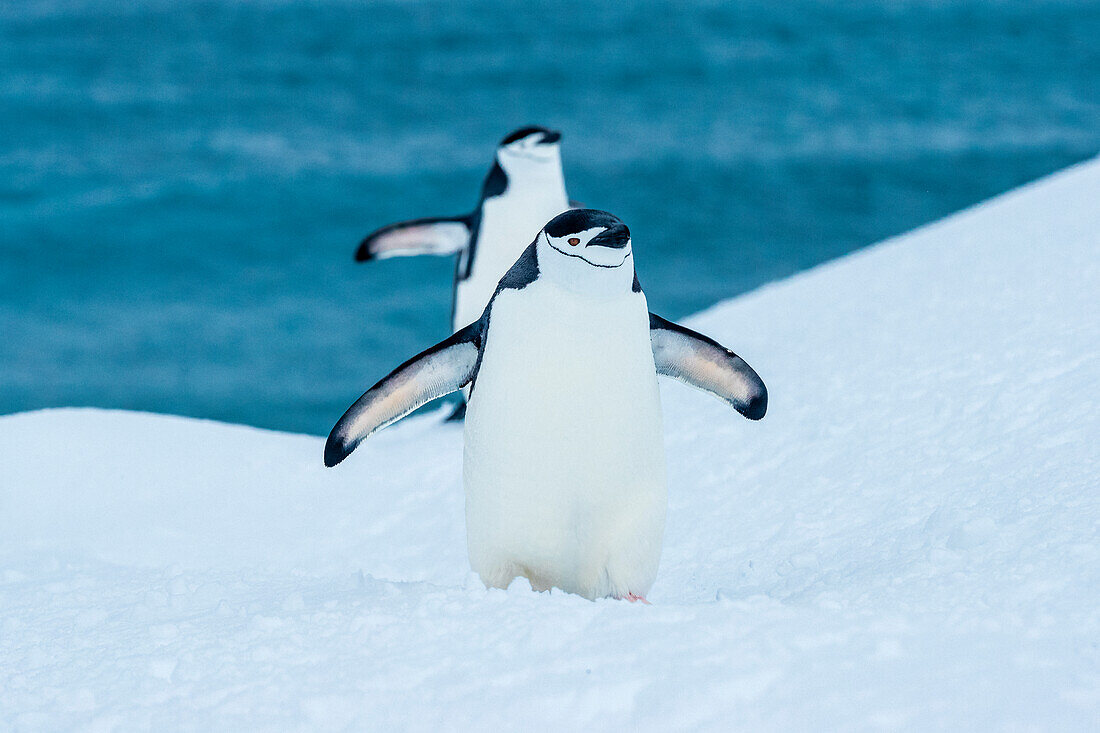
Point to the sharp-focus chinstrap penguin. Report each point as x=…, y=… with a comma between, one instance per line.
x=524, y=189
x=564, y=464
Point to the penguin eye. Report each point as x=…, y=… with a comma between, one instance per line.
x=574, y=241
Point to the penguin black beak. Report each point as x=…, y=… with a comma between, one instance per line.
x=550, y=137
x=615, y=237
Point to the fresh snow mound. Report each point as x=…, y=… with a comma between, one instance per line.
x=909, y=539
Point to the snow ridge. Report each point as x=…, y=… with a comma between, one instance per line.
x=907, y=541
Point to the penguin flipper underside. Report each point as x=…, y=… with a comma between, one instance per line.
x=442, y=369
x=437, y=235
x=701, y=362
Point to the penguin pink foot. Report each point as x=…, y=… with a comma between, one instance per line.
x=635, y=599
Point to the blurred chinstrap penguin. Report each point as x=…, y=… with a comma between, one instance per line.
x=564, y=463
x=524, y=189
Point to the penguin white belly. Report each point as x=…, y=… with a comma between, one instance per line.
x=564, y=463
x=508, y=224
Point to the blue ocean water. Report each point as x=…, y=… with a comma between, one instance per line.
x=182, y=184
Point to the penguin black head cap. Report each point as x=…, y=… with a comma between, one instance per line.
x=579, y=220
x=548, y=136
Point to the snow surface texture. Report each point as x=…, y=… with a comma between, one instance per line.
x=909, y=539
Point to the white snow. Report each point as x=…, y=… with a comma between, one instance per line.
x=909, y=540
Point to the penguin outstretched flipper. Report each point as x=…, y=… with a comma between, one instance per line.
x=437, y=235
x=442, y=369
x=703, y=363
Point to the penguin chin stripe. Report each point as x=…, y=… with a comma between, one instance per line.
x=594, y=264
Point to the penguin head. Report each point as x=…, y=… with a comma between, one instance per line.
x=587, y=250
x=530, y=149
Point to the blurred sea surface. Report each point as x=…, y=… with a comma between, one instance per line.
x=183, y=184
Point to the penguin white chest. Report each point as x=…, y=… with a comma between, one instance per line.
x=564, y=457
x=508, y=224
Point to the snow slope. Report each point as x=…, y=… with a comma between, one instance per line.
x=909, y=540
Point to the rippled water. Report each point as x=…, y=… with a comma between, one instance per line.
x=182, y=184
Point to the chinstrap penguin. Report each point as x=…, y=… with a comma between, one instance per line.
x=524, y=189
x=564, y=463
